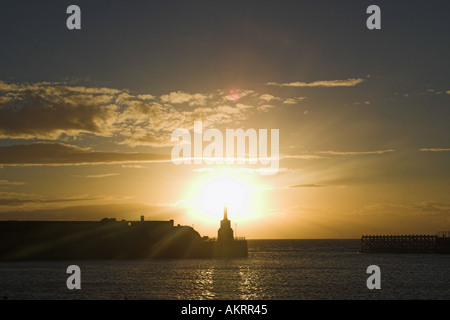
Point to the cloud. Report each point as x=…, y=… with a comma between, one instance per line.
x=293, y=100
x=141, y=137
x=324, y=83
x=268, y=97
x=372, y=219
x=19, y=199
x=356, y=152
x=10, y=183
x=145, y=97
x=307, y=186
x=133, y=166
x=47, y=111
x=98, y=176
x=304, y=156
x=55, y=111
x=44, y=153
x=434, y=149
x=321, y=154
x=5, y=99
x=20, y=202
x=236, y=94
x=55, y=88
x=264, y=108
x=432, y=206
x=92, y=212
x=240, y=170
x=227, y=109
x=183, y=97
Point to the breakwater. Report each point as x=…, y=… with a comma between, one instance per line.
x=405, y=244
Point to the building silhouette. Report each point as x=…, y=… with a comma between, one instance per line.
x=113, y=239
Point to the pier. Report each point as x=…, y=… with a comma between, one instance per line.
x=404, y=244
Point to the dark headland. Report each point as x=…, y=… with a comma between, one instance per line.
x=111, y=239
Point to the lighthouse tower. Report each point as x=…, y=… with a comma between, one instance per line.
x=225, y=232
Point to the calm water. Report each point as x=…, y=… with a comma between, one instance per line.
x=275, y=269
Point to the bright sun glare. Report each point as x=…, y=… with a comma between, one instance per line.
x=211, y=193
x=216, y=194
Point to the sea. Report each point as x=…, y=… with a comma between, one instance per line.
x=274, y=270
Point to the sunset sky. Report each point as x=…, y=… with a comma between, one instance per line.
x=86, y=115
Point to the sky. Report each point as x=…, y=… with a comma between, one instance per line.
x=86, y=116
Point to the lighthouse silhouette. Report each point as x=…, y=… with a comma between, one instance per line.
x=225, y=232
x=226, y=246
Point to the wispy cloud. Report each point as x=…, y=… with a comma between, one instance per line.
x=98, y=176
x=304, y=156
x=133, y=166
x=45, y=153
x=19, y=199
x=306, y=186
x=88, y=212
x=240, y=170
x=356, y=152
x=323, y=83
x=10, y=183
x=434, y=149
x=268, y=97
x=293, y=100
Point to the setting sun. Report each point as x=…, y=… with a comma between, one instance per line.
x=218, y=193
x=209, y=194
